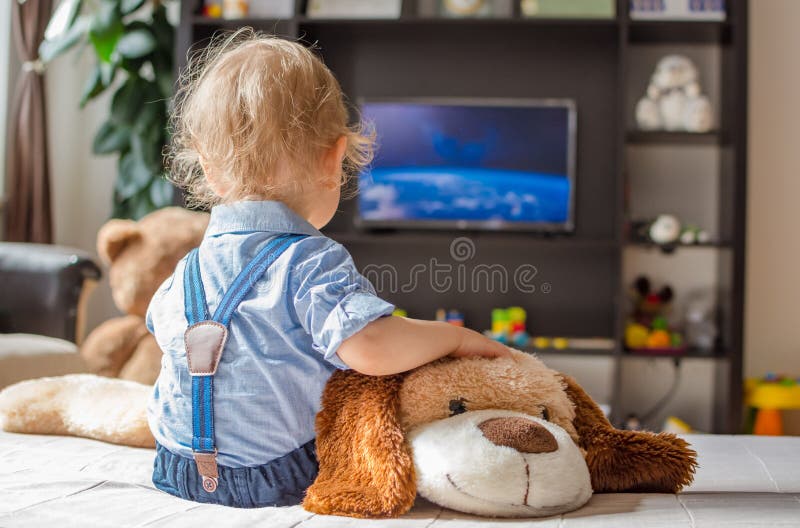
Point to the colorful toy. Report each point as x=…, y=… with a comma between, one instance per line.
x=399, y=312
x=508, y=326
x=769, y=396
x=648, y=327
x=675, y=425
x=455, y=318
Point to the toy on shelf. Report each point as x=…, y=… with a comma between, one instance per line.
x=508, y=326
x=675, y=425
x=573, y=343
x=769, y=396
x=454, y=317
x=698, y=320
x=673, y=100
x=235, y=9
x=648, y=329
x=212, y=9
x=667, y=232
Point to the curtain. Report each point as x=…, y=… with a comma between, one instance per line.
x=28, y=212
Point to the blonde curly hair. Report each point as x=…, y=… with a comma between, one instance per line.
x=255, y=109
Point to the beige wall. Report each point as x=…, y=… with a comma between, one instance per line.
x=772, y=315
x=82, y=184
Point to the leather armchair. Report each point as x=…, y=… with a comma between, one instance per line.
x=43, y=292
x=43, y=289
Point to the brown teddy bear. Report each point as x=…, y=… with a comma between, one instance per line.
x=140, y=256
x=499, y=437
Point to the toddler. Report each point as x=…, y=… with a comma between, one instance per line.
x=254, y=321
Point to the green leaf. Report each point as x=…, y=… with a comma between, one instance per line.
x=141, y=205
x=62, y=19
x=135, y=44
x=92, y=87
x=105, y=30
x=127, y=102
x=148, y=121
x=148, y=147
x=107, y=71
x=110, y=138
x=129, y=6
x=163, y=69
x=134, y=175
x=161, y=192
x=162, y=29
x=50, y=48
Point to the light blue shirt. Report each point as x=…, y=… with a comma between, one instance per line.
x=282, y=338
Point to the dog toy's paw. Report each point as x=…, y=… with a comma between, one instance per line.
x=639, y=461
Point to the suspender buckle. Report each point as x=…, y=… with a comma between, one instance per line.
x=207, y=468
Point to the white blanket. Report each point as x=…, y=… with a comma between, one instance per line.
x=59, y=481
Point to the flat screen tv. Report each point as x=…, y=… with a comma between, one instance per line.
x=470, y=164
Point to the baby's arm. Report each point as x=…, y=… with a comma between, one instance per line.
x=395, y=344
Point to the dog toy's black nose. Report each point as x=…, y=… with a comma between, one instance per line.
x=523, y=435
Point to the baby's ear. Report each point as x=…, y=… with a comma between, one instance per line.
x=365, y=466
x=629, y=460
x=114, y=236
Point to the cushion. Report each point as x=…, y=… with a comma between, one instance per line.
x=28, y=356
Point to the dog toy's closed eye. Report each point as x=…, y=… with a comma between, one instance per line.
x=458, y=406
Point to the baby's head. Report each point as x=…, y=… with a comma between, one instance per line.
x=262, y=118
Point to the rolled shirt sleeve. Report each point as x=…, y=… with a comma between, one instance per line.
x=334, y=301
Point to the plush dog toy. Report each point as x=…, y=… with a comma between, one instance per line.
x=500, y=437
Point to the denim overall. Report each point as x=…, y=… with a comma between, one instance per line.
x=280, y=482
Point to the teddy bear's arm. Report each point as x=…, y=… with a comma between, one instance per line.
x=109, y=346
x=83, y=405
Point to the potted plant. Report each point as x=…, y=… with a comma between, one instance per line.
x=132, y=43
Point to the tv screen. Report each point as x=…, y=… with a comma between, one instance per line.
x=470, y=164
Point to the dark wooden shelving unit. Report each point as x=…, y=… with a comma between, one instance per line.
x=641, y=137
x=679, y=32
x=549, y=352
x=589, y=61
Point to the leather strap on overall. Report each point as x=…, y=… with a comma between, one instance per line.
x=205, y=340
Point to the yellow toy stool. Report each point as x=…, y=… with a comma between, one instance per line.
x=770, y=396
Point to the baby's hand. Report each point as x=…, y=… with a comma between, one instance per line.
x=476, y=344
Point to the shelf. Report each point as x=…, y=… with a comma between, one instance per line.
x=438, y=238
x=673, y=32
x=231, y=23
x=645, y=137
x=692, y=353
x=714, y=244
x=592, y=352
x=405, y=20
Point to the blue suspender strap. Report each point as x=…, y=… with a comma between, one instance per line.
x=205, y=340
x=195, y=301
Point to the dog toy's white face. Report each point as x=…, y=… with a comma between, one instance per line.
x=499, y=463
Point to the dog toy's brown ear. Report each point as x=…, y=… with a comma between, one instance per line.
x=637, y=461
x=365, y=467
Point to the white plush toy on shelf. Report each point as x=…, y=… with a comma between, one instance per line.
x=673, y=101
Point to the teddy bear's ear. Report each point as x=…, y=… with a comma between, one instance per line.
x=365, y=467
x=114, y=236
x=629, y=460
